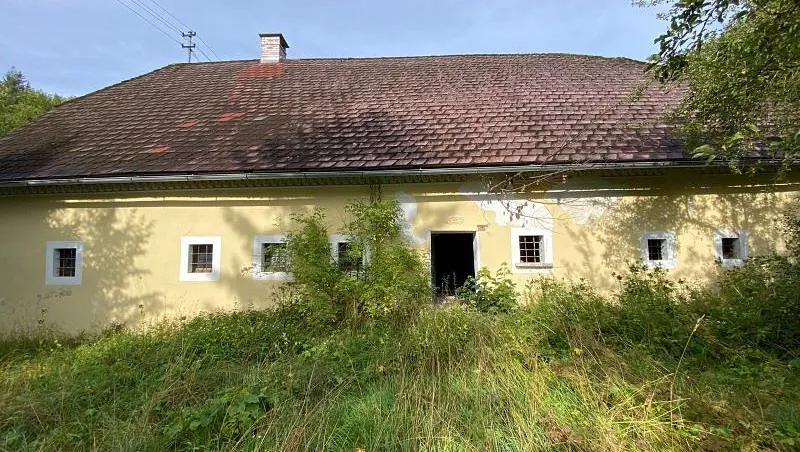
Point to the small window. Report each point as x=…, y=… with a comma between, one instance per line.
x=270, y=257
x=347, y=262
x=731, y=247
x=658, y=249
x=200, y=258
x=273, y=257
x=655, y=249
x=64, y=262
x=66, y=258
x=530, y=248
x=342, y=254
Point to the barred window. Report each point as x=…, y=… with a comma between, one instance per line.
x=65, y=262
x=274, y=257
x=655, y=249
x=348, y=263
x=201, y=258
x=530, y=248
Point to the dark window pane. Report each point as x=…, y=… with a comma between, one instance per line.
x=65, y=262
x=655, y=249
x=347, y=262
x=730, y=248
x=273, y=257
x=530, y=248
x=201, y=258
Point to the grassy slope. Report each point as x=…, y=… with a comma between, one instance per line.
x=454, y=379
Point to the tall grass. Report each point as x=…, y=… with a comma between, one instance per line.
x=556, y=374
x=660, y=365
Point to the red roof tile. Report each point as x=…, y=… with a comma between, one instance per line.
x=379, y=113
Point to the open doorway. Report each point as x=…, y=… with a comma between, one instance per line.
x=452, y=260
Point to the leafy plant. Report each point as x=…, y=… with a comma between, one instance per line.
x=739, y=61
x=490, y=293
x=392, y=283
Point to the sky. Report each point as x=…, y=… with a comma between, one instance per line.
x=73, y=47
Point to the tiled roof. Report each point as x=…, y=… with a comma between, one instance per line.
x=353, y=114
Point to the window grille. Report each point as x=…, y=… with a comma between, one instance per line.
x=274, y=257
x=655, y=249
x=347, y=262
x=65, y=262
x=530, y=249
x=201, y=258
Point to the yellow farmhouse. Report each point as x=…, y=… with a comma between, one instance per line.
x=171, y=193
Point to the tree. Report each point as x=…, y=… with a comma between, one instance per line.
x=740, y=61
x=21, y=104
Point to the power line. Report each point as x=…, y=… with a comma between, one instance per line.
x=145, y=9
x=170, y=14
x=200, y=49
x=209, y=48
x=183, y=24
x=149, y=21
x=156, y=15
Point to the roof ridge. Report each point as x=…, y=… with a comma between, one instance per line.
x=411, y=57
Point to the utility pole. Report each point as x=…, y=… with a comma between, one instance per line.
x=190, y=45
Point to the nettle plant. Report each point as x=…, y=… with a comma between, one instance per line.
x=390, y=280
x=490, y=293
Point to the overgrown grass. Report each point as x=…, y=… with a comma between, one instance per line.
x=359, y=361
x=571, y=371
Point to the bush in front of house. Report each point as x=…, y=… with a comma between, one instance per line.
x=388, y=278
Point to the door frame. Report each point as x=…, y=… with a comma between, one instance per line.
x=476, y=255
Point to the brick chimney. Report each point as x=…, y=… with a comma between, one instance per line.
x=273, y=47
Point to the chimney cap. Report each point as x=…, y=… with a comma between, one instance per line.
x=275, y=35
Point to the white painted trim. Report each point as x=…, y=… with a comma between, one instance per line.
x=670, y=251
x=258, y=259
x=213, y=275
x=742, y=246
x=546, y=266
x=50, y=277
x=476, y=252
x=335, y=240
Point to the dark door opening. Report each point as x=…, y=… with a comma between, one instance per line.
x=452, y=260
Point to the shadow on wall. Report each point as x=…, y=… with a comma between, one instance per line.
x=694, y=218
x=113, y=288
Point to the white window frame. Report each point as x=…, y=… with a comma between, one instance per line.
x=186, y=243
x=50, y=277
x=258, y=259
x=547, y=252
x=742, y=246
x=669, y=253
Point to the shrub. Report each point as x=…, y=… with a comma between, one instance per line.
x=653, y=311
x=755, y=305
x=570, y=314
x=392, y=282
x=489, y=293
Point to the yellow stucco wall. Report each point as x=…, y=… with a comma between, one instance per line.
x=132, y=241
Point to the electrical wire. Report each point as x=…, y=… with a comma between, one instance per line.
x=182, y=23
x=199, y=49
x=149, y=22
x=156, y=15
x=144, y=8
x=209, y=48
x=170, y=15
